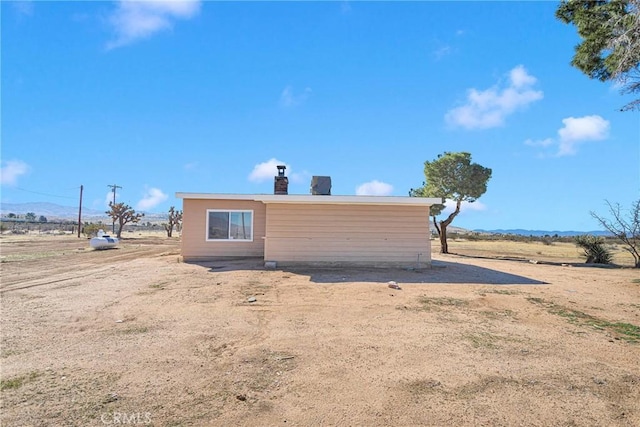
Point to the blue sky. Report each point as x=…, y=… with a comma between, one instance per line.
x=188, y=96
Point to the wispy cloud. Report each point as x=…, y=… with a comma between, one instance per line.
x=108, y=198
x=374, y=188
x=190, y=166
x=136, y=20
x=152, y=198
x=345, y=7
x=539, y=143
x=23, y=7
x=290, y=99
x=442, y=51
x=11, y=170
x=300, y=177
x=575, y=131
x=489, y=108
x=265, y=171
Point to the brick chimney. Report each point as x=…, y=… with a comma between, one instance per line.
x=281, y=182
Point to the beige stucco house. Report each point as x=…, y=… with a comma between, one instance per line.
x=307, y=229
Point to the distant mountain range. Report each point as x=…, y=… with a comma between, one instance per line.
x=540, y=233
x=54, y=211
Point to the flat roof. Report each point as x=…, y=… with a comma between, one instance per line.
x=311, y=199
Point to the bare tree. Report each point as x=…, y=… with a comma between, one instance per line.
x=123, y=214
x=626, y=230
x=175, y=219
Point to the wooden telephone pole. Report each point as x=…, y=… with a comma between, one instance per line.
x=80, y=213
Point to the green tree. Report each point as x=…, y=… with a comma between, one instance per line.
x=42, y=218
x=453, y=177
x=30, y=217
x=610, y=46
x=123, y=214
x=175, y=218
x=626, y=229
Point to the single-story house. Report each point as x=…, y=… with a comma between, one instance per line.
x=307, y=229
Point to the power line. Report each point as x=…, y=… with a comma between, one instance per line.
x=44, y=194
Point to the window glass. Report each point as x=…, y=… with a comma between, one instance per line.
x=230, y=225
x=240, y=225
x=218, y=225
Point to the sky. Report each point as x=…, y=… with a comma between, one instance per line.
x=160, y=97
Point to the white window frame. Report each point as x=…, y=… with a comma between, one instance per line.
x=229, y=211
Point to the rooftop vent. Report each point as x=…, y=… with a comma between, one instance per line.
x=281, y=182
x=321, y=185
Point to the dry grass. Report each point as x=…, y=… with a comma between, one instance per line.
x=556, y=252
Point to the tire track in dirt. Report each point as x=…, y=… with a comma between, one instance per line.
x=24, y=274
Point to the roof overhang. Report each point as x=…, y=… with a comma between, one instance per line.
x=316, y=200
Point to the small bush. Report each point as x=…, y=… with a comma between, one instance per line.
x=594, y=249
x=90, y=230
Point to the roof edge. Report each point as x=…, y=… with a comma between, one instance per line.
x=316, y=199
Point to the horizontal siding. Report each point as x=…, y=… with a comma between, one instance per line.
x=194, y=230
x=347, y=233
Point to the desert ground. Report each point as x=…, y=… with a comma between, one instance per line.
x=502, y=334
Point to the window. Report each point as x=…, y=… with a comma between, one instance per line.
x=230, y=225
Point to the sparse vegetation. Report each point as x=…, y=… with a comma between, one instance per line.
x=17, y=382
x=428, y=302
x=626, y=331
x=91, y=229
x=627, y=230
x=594, y=249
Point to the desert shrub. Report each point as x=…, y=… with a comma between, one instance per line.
x=594, y=249
x=91, y=230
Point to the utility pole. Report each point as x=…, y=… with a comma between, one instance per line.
x=114, y=187
x=80, y=213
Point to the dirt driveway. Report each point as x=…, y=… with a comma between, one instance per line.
x=131, y=336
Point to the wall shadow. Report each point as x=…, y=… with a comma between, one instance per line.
x=441, y=272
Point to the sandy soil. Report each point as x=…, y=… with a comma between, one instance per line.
x=131, y=336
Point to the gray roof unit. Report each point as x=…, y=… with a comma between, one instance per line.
x=321, y=185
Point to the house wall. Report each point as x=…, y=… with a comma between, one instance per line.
x=348, y=234
x=194, y=244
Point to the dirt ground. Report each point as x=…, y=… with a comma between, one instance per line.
x=132, y=336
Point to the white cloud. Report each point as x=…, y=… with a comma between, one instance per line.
x=489, y=108
x=11, y=170
x=576, y=130
x=450, y=206
x=374, y=188
x=580, y=129
x=265, y=171
x=289, y=99
x=152, y=198
x=136, y=20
